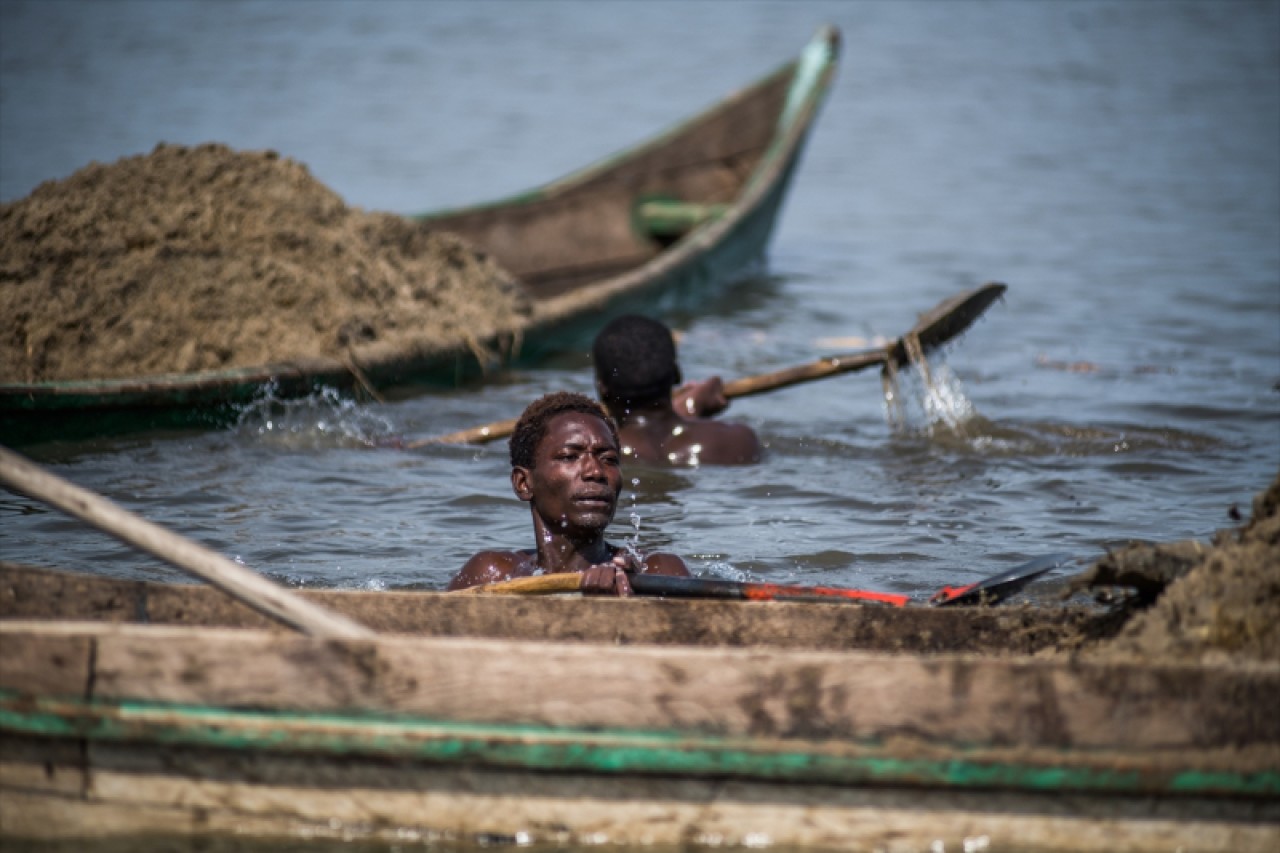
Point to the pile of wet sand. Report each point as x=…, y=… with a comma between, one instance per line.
x=1194, y=601
x=200, y=258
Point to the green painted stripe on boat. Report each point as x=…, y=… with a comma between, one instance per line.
x=581, y=750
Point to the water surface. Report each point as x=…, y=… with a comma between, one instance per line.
x=1117, y=164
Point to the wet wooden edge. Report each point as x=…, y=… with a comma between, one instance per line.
x=33, y=593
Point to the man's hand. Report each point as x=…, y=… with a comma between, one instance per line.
x=700, y=399
x=608, y=578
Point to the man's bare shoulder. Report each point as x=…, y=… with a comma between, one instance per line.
x=661, y=563
x=493, y=566
x=721, y=443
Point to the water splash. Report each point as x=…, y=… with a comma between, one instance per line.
x=727, y=571
x=324, y=419
x=945, y=401
x=925, y=399
x=631, y=544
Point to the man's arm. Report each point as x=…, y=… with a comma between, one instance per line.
x=700, y=399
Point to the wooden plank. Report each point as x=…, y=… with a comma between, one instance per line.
x=902, y=762
x=30, y=593
x=31, y=816
x=652, y=621
x=201, y=796
x=42, y=764
x=778, y=693
x=47, y=663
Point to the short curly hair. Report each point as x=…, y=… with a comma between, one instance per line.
x=635, y=360
x=532, y=426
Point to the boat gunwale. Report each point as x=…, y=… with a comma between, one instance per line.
x=38, y=593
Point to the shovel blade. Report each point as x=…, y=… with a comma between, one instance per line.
x=948, y=320
x=1001, y=586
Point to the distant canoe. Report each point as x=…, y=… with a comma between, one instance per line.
x=131, y=710
x=659, y=225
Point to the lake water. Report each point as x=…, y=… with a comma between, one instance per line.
x=1117, y=164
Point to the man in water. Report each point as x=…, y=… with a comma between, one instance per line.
x=636, y=370
x=565, y=465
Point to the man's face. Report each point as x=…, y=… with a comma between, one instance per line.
x=575, y=480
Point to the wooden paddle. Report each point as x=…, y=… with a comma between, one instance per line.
x=989, y=591
x=237, y=581
x=943, y=323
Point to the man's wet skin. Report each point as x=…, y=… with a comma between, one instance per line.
x=637, y=375
x=572, y=489
x=662, y=433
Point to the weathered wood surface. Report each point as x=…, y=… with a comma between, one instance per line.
x=588, y=228
x=206, y=796
x=33, y=593
x=1131, y=729
x=955, y=699
x=903, y=761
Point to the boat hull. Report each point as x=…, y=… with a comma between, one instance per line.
x=109, y=727
x=624, y=269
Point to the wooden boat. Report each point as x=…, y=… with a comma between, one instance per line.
x=135, y=710
x=653, y=227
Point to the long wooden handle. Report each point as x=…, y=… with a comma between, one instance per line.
x=744, y=387
x=989, y=591
x=678, y=587
x=535, y=585
x=935, y=327
x=235, y=580
x=820, y=369
x=472, y=435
